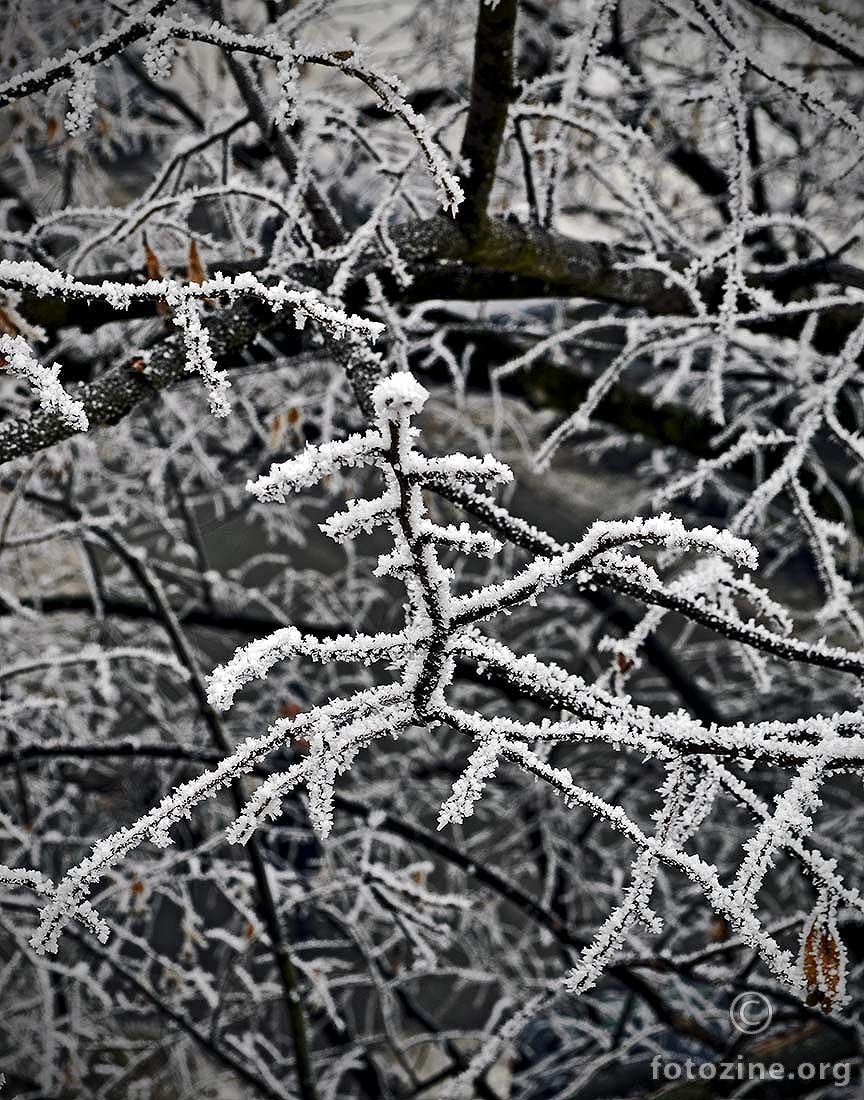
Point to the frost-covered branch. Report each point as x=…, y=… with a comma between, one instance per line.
x=439, y=627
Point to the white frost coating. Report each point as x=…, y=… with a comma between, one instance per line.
x=462, y=538
x=19, y=359
x=19, y=878
x=47, y=74
x=288, y=72
x=71, y=892
x=360, y=517
x=331, y=752
x=482, y=765
x=485, y=469
x=350, y=61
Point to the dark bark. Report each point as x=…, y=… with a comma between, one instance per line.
x=491, y=92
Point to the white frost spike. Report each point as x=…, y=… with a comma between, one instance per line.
x=324, y=769
x=44, y=380
x=32, y=275
x=792, y=817
x=468, y=788
x=18, y=878
x=82, y=100
x=158, y=58
x=200, y=356
x=463, y=539
x=601, y=537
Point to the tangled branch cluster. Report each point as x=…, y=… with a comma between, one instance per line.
x=621, y=253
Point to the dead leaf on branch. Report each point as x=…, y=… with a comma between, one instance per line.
x=151, y=262
x=194, y=267
x=823, y=961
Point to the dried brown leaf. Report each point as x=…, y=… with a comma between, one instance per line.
x=194, y=267
x=823, y=963
x=151, y=262
x=7, y=325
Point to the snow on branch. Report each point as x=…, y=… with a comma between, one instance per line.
x=17, y=878
x=16, y=356
x=184, y=300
